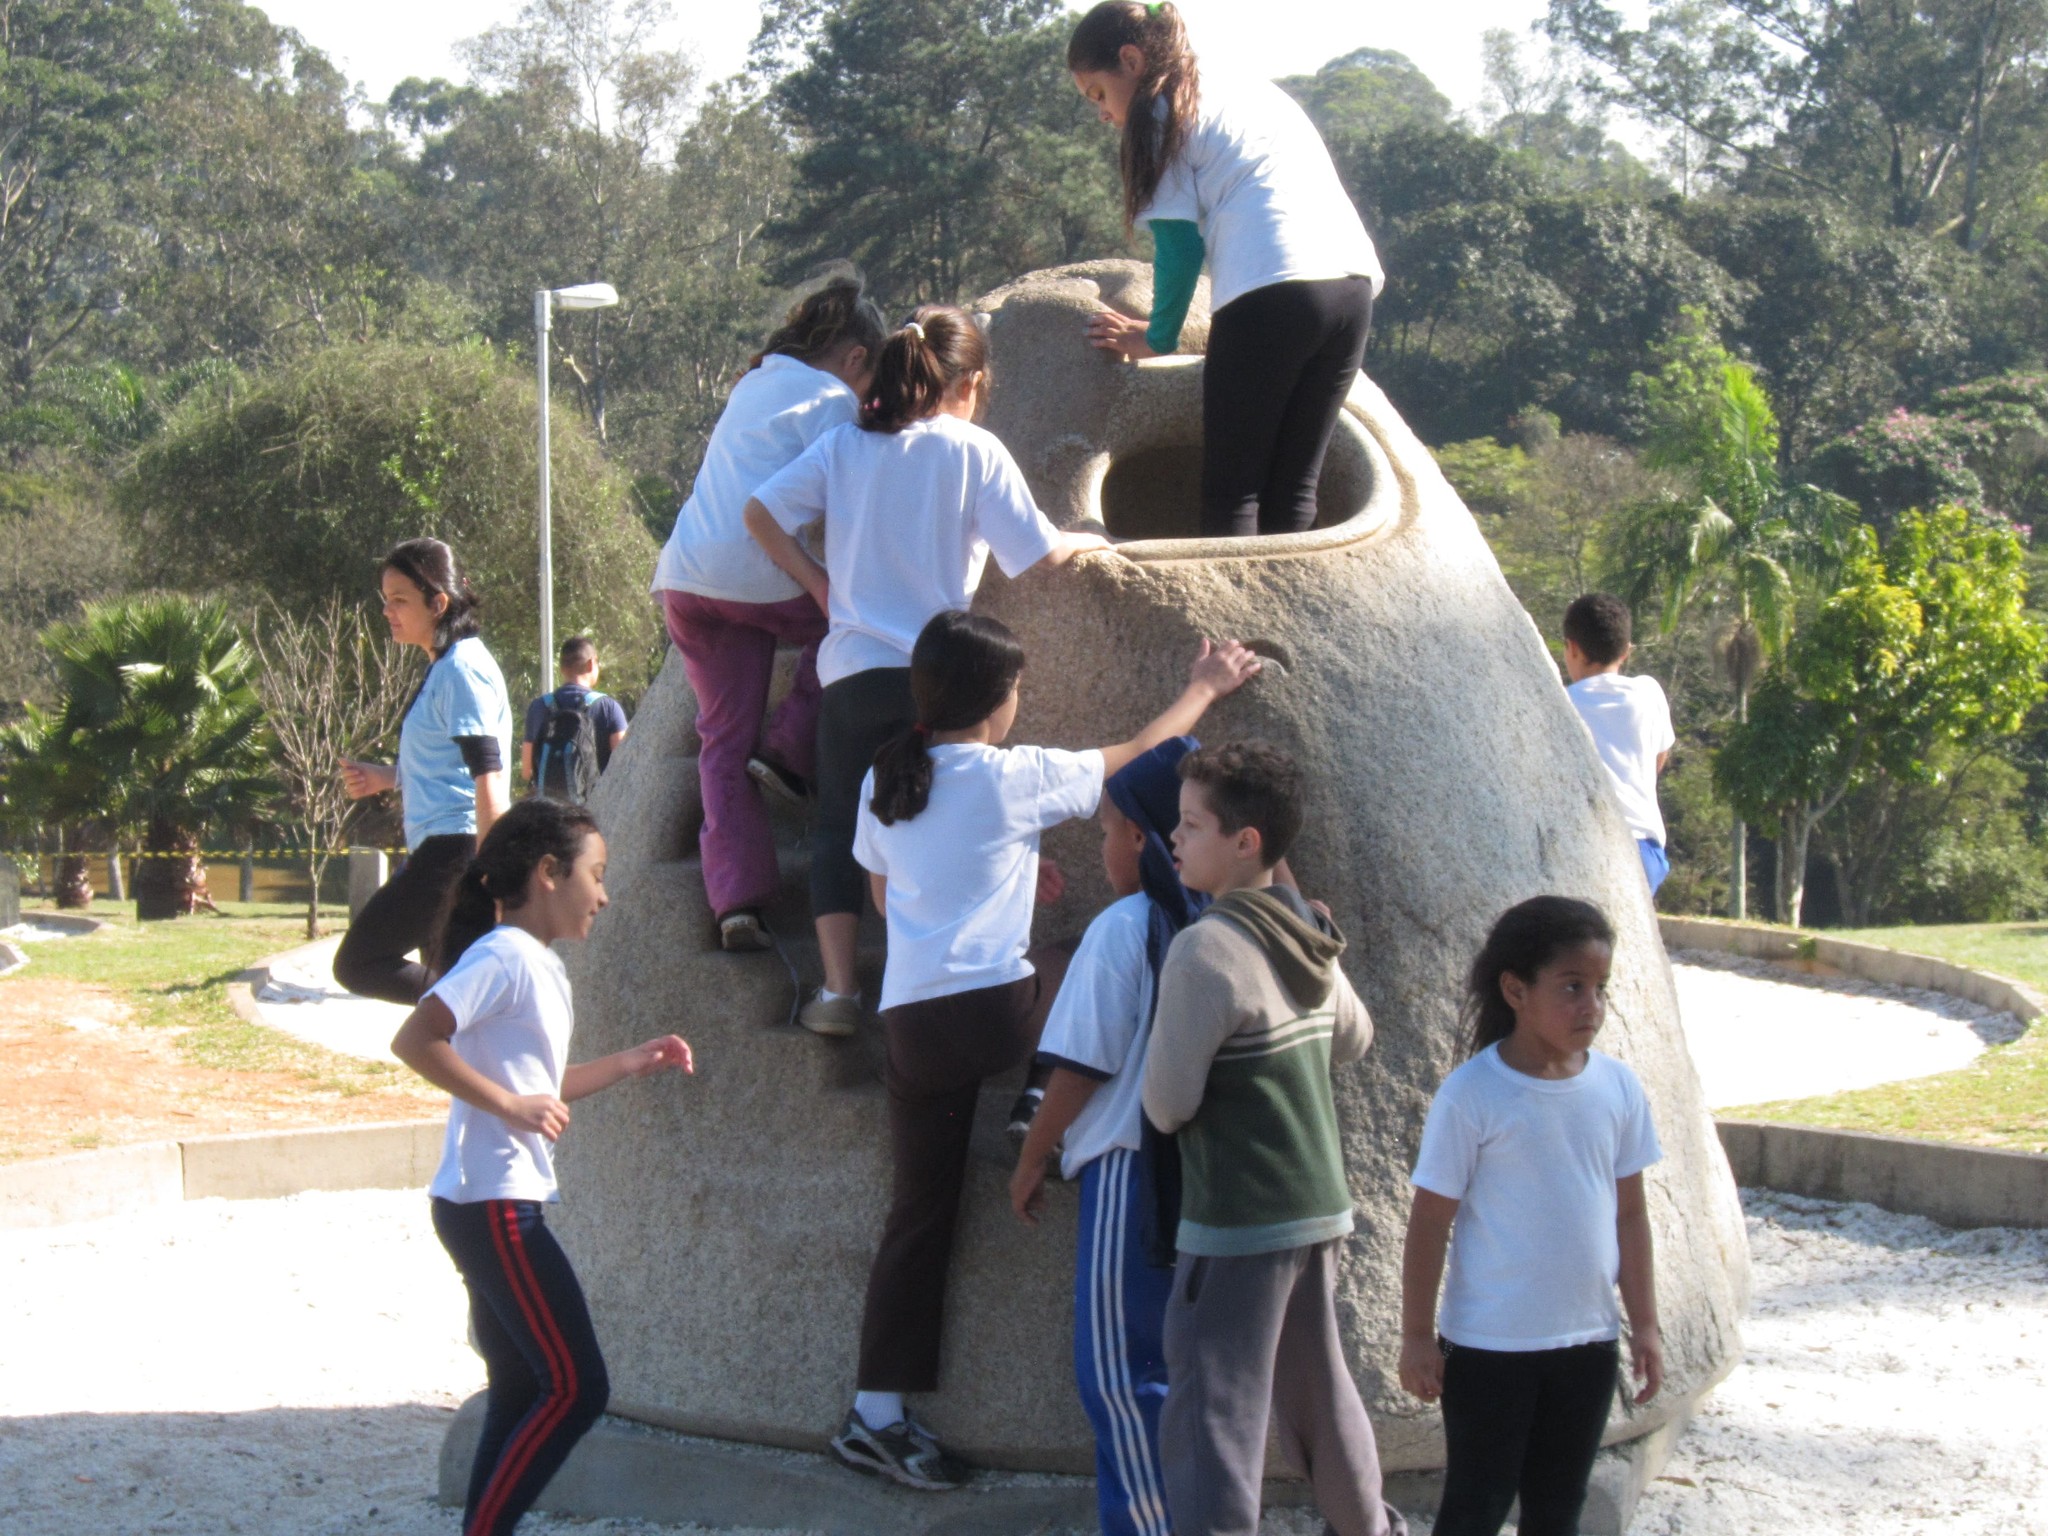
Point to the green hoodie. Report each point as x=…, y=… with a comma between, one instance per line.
x=1253, y=1013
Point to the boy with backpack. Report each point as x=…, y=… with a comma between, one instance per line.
x=572, y=732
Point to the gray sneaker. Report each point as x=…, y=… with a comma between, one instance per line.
x=835, y=1016
x=904, y=1453
x=779, y=783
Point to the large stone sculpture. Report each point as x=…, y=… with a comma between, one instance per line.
x=724, y=1228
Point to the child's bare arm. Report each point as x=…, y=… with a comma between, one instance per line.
x=424, y=1042
x=581, y=1079
x=878, y=887
x=784, y=549
x=1639, y=1285
x=1422, y=1273
x=1067, y=1093
x=1219, y=669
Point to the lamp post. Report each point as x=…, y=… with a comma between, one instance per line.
x=545, y=302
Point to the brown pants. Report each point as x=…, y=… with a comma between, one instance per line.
x=939, y=1052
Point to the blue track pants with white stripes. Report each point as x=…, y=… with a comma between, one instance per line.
x=1119, y=1359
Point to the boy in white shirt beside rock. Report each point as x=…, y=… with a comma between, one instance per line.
x=1628, y=716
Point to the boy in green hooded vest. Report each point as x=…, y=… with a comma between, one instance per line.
x=1253, y=1013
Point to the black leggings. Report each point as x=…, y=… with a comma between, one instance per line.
x=1281, y=360
x=1525, y=1424
x=547, y=1377
x=400, y=918
x=856, y=715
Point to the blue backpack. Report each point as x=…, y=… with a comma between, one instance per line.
x=565, y=756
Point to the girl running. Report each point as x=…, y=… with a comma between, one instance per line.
x=949, y=824
x=1533, y=1155
x=451, y=771
x=494, y=1032
x=728, y=606
x=1234, y=171
x=915, y=499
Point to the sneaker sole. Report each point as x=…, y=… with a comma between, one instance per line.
x=830, y=1028
x=773, y=783
x=744, y=941
x=887, y=1472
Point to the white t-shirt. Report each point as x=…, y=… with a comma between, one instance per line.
x=1631, y=725
x=510, y=998
x=774, y=413
x=1533, y=1163
x=963, y=872
x=911, y=518
x=1100, y=1025
x=1254, y=175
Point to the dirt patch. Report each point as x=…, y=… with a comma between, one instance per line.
x=75, y=1075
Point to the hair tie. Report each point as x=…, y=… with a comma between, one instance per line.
x=1152, y=9
x=920, y=730
x=914, y=329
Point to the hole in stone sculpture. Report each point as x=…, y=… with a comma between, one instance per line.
x=1156, y=492
x=1277, y=660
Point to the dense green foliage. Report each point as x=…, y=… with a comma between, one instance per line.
x=281, y=327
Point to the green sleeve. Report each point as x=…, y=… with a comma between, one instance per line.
x=1177, y=253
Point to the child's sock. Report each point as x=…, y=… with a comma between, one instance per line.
x=827, y=995
x=879, y=1410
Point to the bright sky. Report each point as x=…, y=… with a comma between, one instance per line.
x=377, y=43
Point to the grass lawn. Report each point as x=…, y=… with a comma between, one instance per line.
x=169, y=982
x=1999, y=1100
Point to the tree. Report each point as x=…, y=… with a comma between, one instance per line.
x=160, y=690
x=52, y=777
x=1366, y=94
x=332, y=687
x=1740, y=538
x=1925, y=650
x=944, y=149
x=295, y=487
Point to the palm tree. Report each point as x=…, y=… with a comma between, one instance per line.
x=1739, y=537
x=162, y=689
x=50, y=777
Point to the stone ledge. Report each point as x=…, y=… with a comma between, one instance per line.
x=1955, y=1185
x=259, y=1165
x=627, y=1471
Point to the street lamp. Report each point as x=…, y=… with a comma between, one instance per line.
x=545, y=302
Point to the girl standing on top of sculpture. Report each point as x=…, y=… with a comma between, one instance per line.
x=728, y=606
x=1531, y=1169
x=915, y=499
x=450, y=776
x=949, y=826
x=1234, y=170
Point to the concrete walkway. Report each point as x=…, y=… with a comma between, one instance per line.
x=303, y=999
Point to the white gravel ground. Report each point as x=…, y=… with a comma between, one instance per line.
x=1760, y=1032
x=288, y=1367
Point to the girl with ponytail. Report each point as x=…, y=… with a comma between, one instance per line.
x=949, y=824
x=494, y=1033
x=1233, y=170
x=728, y=608
x=915, y=498
x=450, y=776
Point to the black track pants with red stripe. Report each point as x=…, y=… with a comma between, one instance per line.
x=547, y=1378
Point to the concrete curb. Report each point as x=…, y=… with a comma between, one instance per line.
x=12, y=957
x=1869, y=962
x=1955, y=1185
x=260, y=1165
x=65, y=922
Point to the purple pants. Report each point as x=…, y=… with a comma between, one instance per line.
x=729, y=653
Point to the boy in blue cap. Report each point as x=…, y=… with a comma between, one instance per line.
x=1095, y=1043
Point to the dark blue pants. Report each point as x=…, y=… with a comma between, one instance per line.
x=1119, y=1350
x=1522, y=1423
x=547, y=1378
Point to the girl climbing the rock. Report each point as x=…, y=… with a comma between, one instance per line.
x=728, y=606
x=949, y=823
x=1234, y=172
x=915, y=499
x=450, y=776
x=1532, y=1159
x=494, y=1033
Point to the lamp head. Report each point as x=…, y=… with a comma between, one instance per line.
x=585, y=296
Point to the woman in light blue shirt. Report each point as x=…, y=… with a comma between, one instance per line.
x=450, y=775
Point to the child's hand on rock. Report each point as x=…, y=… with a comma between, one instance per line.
x=1052, y=882
x=1224, y=667
x=1646, y=1355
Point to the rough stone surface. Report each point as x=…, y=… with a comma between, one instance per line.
x=10, y=893
x=724, y=1226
